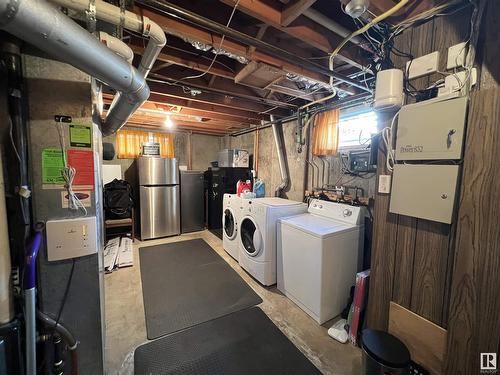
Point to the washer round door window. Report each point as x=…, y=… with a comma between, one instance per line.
x=229, y=224
x=250, y=237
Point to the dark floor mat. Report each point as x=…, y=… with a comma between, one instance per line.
x=245, y=342
x=186, y=283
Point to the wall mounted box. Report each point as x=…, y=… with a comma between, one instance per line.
x=431, y=130
x=71, y=238
x=424, y=191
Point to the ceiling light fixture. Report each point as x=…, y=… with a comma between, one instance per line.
x=356, y=8
x=168, y=122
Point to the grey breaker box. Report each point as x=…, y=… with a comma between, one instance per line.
x=431, y=131
x=426, y=191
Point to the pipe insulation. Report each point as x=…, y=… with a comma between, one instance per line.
x=117, y=46
x=279, y=140
x=6, y=307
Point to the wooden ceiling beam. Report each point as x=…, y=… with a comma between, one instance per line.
x=171, y=58
x=215, y=99
x=198, y=109
x=179, y=128
x=173, y=26
x=293, y=10
x=302, y=29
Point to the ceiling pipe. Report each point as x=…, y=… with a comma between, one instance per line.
x=331, y=25
x=117, y=46
x=197, y=20
x=40, y=24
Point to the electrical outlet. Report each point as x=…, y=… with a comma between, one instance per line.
x=423, y=65
x=384, y=184
x=453, y=82
x=456, y=55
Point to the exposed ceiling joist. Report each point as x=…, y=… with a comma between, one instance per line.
x=293, y=10
x=303, y=29
x=223, y=100
x=182, y=30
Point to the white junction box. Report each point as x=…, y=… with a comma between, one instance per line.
x=431, y=131
x=425, y=191
x=71, y=238
x=456, y=55
x=422, y=66
x=384, y=183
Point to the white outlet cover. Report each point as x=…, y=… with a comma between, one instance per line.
x=456, y=55
x=422, y=66
x=384, y=184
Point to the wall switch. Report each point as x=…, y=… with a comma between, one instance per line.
x=71, y=238
x=423, y=65
x=384, y=183
x=456, y=55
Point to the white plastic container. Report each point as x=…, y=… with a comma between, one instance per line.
x=389, y=89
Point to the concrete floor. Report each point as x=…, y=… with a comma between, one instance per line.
x=126, y=327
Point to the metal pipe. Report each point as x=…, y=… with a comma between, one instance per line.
x=117, y=46
x=59, y=328
x=331, y=25
x=342, y=103
x=112, y=14
x=279, y=140
x=195, y=19
x=42, y=25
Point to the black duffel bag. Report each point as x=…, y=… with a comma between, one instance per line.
x=118, y=199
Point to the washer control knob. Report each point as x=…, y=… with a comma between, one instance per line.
x=347, y=212
x=315, y=205
x=320, y=206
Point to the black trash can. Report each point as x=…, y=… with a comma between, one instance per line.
x=384, y=354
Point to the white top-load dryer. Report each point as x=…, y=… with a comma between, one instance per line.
x=231, y=212
x=319, y=253
x=257, y=234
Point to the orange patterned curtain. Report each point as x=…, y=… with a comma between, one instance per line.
x=326, y=133
x=129, y=143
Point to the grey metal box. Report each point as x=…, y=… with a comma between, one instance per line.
x=431, y=131
x=424, y=191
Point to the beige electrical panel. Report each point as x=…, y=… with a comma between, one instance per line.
x=425, y=191
x=431, y=131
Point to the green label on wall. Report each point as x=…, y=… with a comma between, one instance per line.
x=80, y=135
x=52, y=165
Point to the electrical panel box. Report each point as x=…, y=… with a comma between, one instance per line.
x=431, y=131
x=360, y=161
x=424, y=191
x=71, y=238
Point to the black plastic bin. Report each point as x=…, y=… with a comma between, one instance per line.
x=384, y=354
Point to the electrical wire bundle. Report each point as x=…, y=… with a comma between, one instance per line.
x=68, y=174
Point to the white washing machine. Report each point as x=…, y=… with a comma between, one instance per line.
x=319, y=254
x=231, y=212
x=257, y=234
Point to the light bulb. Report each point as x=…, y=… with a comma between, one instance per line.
x=168, y=122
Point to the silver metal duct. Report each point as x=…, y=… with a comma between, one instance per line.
x=279, y=140
x=39, y=23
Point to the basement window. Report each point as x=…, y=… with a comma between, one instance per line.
x=356, y=127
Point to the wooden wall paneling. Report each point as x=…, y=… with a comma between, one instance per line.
x=489, y=57
x=383, y=249
x=429, y=272
x=474, y=324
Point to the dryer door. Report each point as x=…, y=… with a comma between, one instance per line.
x=250, y=236
x=229, y=224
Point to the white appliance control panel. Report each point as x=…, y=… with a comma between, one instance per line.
x=71, y=238
x=338, y=211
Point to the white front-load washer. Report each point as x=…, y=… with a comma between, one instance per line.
x=319, y=253
x=257, y=234
x=231, y=209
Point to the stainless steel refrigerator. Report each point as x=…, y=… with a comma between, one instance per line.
x=159, y=196
x=192, y=201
